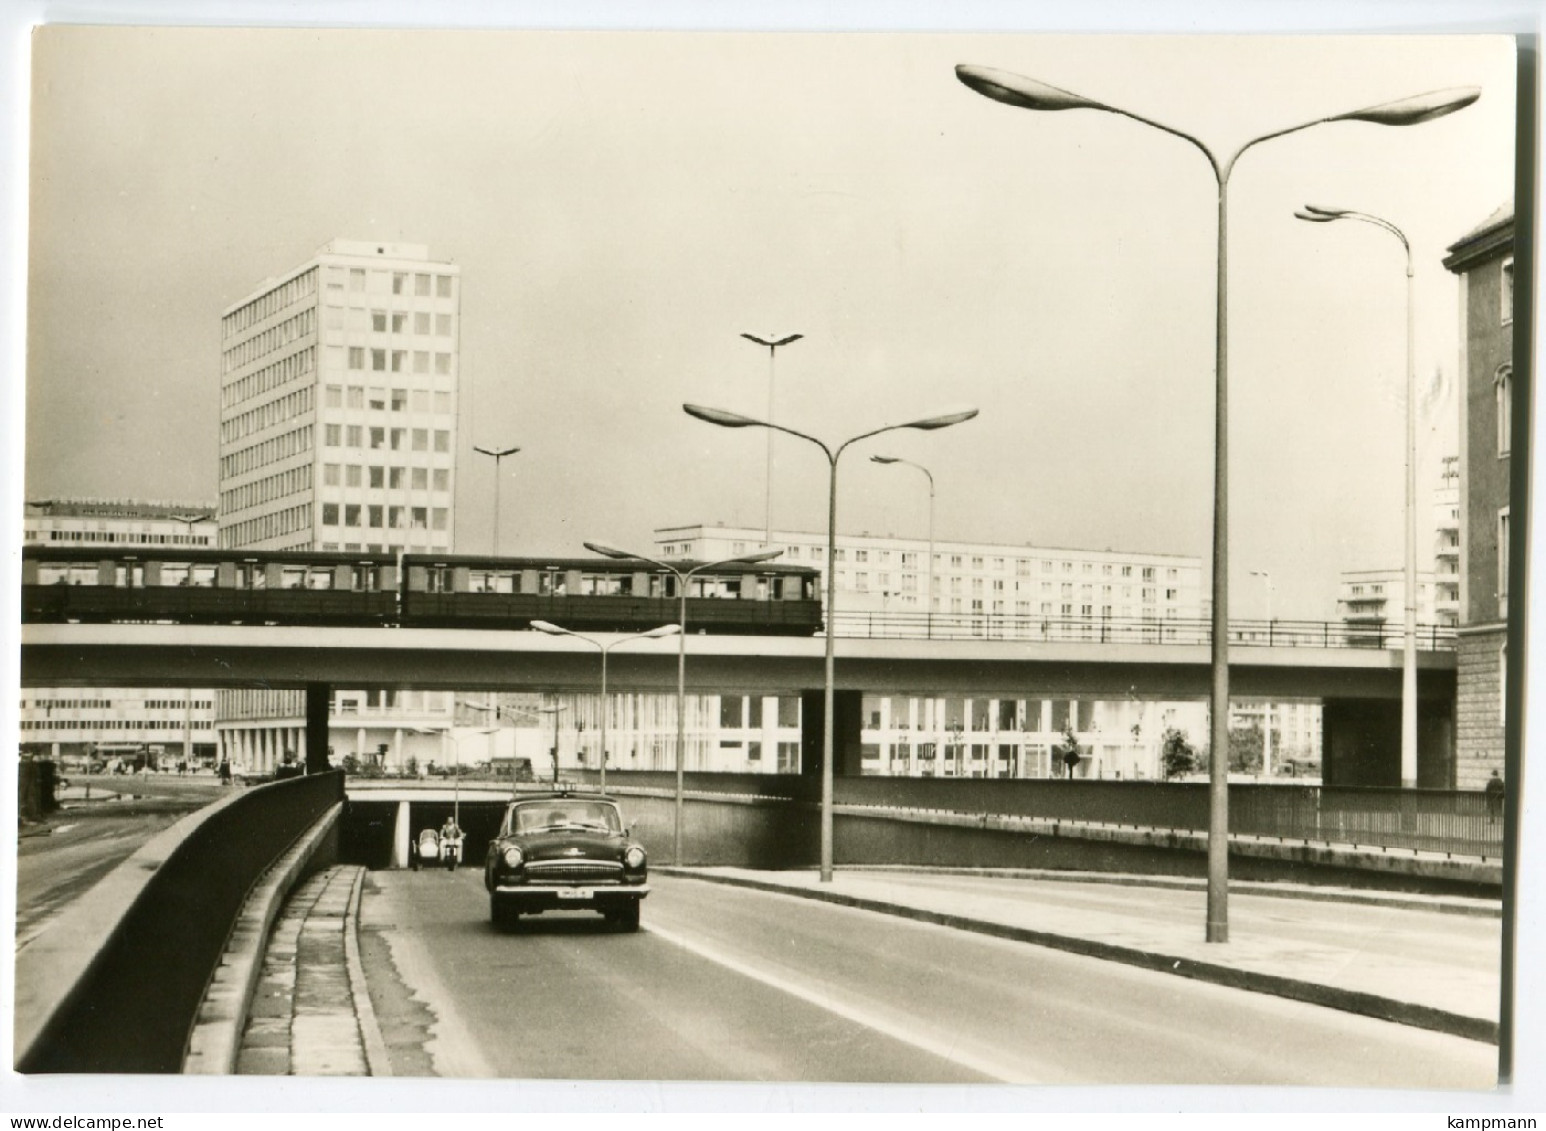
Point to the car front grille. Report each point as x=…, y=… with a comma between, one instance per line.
x=592, y=870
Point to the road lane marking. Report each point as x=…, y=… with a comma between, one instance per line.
x=1001, y=1073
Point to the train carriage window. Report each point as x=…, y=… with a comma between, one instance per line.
x=319, y=578
x=131, y=576
x=203, y=576
x=292, y=577
x=490, y=581
x=365, y=578
x=547, y=583
x=174, y=573
x=438, y=579
x=53, y=575
x=251, y=575
x=605, y=585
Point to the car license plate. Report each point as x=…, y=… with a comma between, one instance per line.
x=573, y=893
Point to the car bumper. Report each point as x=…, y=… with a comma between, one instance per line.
x=578, y=897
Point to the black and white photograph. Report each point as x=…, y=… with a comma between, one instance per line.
x=967, y=560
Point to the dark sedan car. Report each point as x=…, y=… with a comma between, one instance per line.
x=565, y=851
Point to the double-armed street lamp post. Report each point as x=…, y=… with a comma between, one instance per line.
x=604, y=648
x=1031, y=94
x=1316, y=215
x=928, y=591
x=498, y=454
x=682, y=576
x=726, y=419
x=772, y=345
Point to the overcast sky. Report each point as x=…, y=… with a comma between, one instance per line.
x=624, y=205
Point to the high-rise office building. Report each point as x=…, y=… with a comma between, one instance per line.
x=338, y=430
x=338, y=404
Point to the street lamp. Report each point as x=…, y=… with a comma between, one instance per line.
x=1029, y=94
x=190, y=521
x=554, y=710
x=456, y=766
x=928, y=598
x=681, y=654
x=1317, y=215
x=924, y=424
x=767, y=538
x=498, y=454
x=654, y=633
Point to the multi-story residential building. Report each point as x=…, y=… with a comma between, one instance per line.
x=1375, y=600
x=168, y=726
x=1446, y=544
x=338, y=431
x=1484, y=261
x=889, y=574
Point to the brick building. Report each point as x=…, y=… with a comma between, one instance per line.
x=1484, y=261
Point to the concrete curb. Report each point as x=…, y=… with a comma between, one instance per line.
x=1439, y=905
x=376, y=1060
x=1349, y=1001
x=216, y=1038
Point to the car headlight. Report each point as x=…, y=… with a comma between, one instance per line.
x=514, y=857
x=634, y=857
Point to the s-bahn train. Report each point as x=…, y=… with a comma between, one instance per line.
x=195, y=586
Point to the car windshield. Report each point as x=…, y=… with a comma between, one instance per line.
x=544, y=815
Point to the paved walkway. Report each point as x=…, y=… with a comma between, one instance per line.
x=1419, y=960
x=310, y=1013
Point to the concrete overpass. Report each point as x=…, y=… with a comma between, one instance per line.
x=1360, y=688
x=63, y=655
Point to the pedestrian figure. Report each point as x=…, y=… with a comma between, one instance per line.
x=1494, y=791
x=225, y=771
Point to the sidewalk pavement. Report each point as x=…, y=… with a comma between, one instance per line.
x=1427, y=961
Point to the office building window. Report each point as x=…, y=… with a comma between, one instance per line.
x=443, y=363
x=395, y=478
x=378, y=477
x=356, y=396
x=378, y=321
x=375, y=517
x=353, y=475
x=351, y=514
x=420, y=479
x=399, y=282
x=421, y=361
x=330, y=435
x=378, y=437
x=1506, y=290
x=438, y=518
x=442, y=325
x=378, y=360
x=421, y=439
x=356, y=357
x=329, y=514
x=443, y=286
x=333, y=396
x=356, y=278
x=443, y=403
x=442, y=440
x=330, y=475
x=442, y=479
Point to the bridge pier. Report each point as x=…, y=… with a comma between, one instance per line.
x=401, y=834
x=318, y=699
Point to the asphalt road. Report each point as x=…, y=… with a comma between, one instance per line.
x=59, y=861
x=726, y=983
